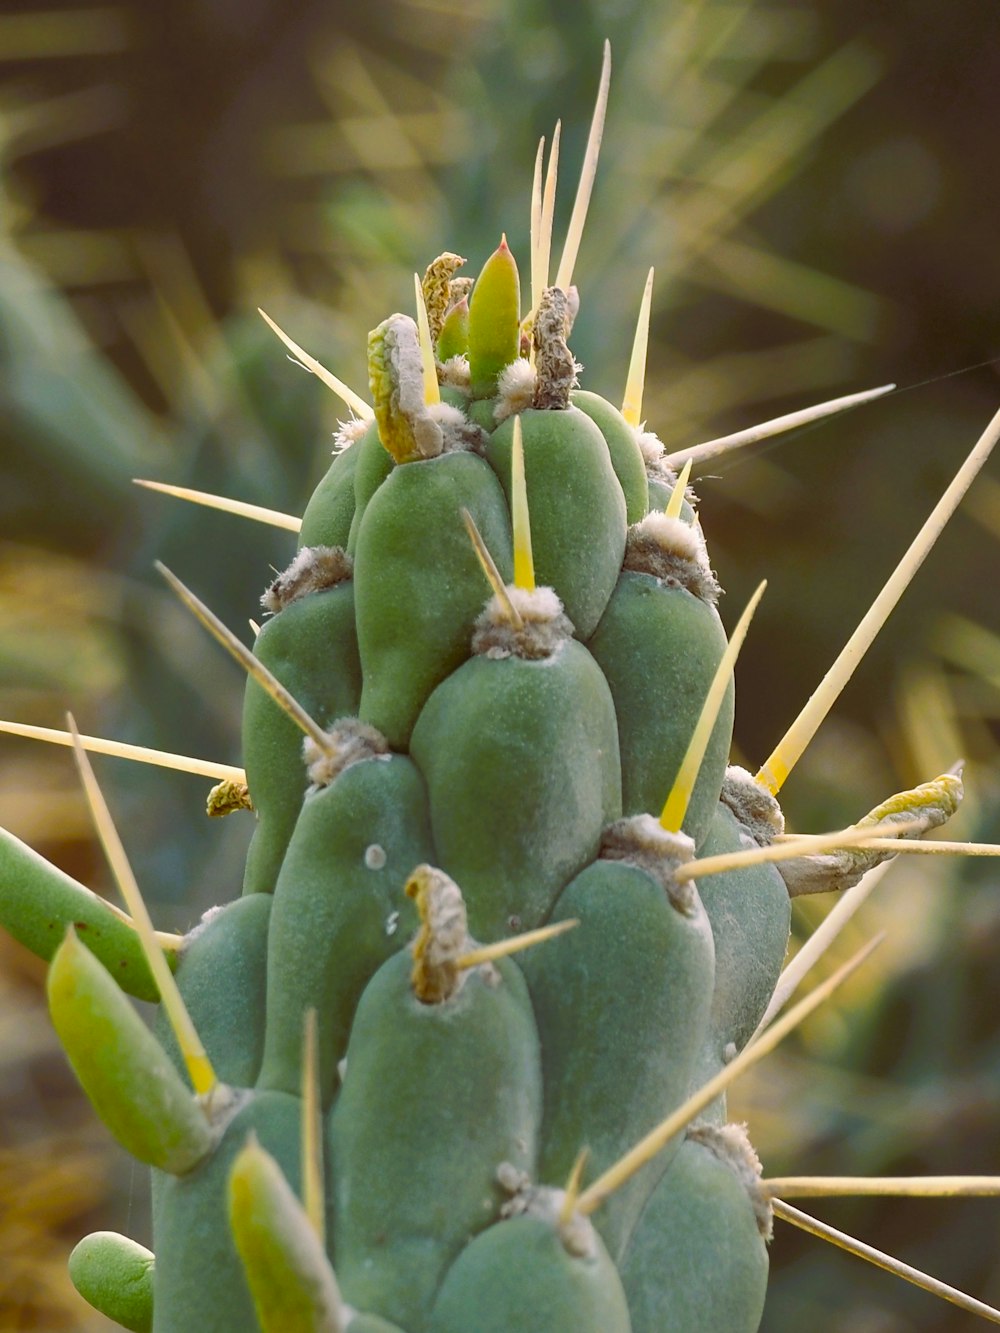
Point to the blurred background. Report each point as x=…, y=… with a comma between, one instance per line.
x=816, y=185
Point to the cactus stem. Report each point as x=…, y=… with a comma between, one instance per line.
x=805, y=844
x=486, y=953
x=673, y=507
x=792, y=745
x=882, y=1260
x=346, y=394
x=820, y=941
x=524, y=565
x=238, y=507
x=698, y=453
x=564, y=276
x=901, y=1187
x=676, y=804
x=493, y=575
x=198, y=1065
x=636, y=382
x=250, y=664
x=203, y=768
x=647, y=1148
x=313, y=1195
x=432, y=392
x=572, y=1192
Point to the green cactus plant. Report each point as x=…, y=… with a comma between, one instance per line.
x=516, y=694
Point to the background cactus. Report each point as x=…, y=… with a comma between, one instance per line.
x=188, y=567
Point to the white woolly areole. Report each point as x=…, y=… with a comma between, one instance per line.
x=752, y=804
x=446, y=414
x=348, y=433
x=643, y=841
x=674, y=535
x=650, y=445
x=546, y=1203
x=731, y=1145
x=533, y=603
x=455, y=371
x=646, y=833
x=515, y=389
x=543, y=625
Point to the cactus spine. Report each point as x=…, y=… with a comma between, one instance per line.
x=499, y=635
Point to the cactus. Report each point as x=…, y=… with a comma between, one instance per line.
x=458, y=1056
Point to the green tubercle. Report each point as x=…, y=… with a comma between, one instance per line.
x=115, y=1275
x=123, y=1069
x=494, y=320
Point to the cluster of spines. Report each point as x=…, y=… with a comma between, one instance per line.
x=384, y=587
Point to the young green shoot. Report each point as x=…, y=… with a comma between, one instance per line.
x=493, y=575
x=524, y=565
x=486, y=953
x=578, y=218
x=636, y=382
x=313, y=1194
x=432, y=392
x=805, y=416
x=673, y=507
x=182, y=763
x=250, y=664
x=676, y=804
x=792, y=745
x=199, y=1067
x=647, y=1148
x=346, y=394
x=882, y=1260
x=240, y=508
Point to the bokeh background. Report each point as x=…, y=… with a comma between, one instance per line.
x=816, y=185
